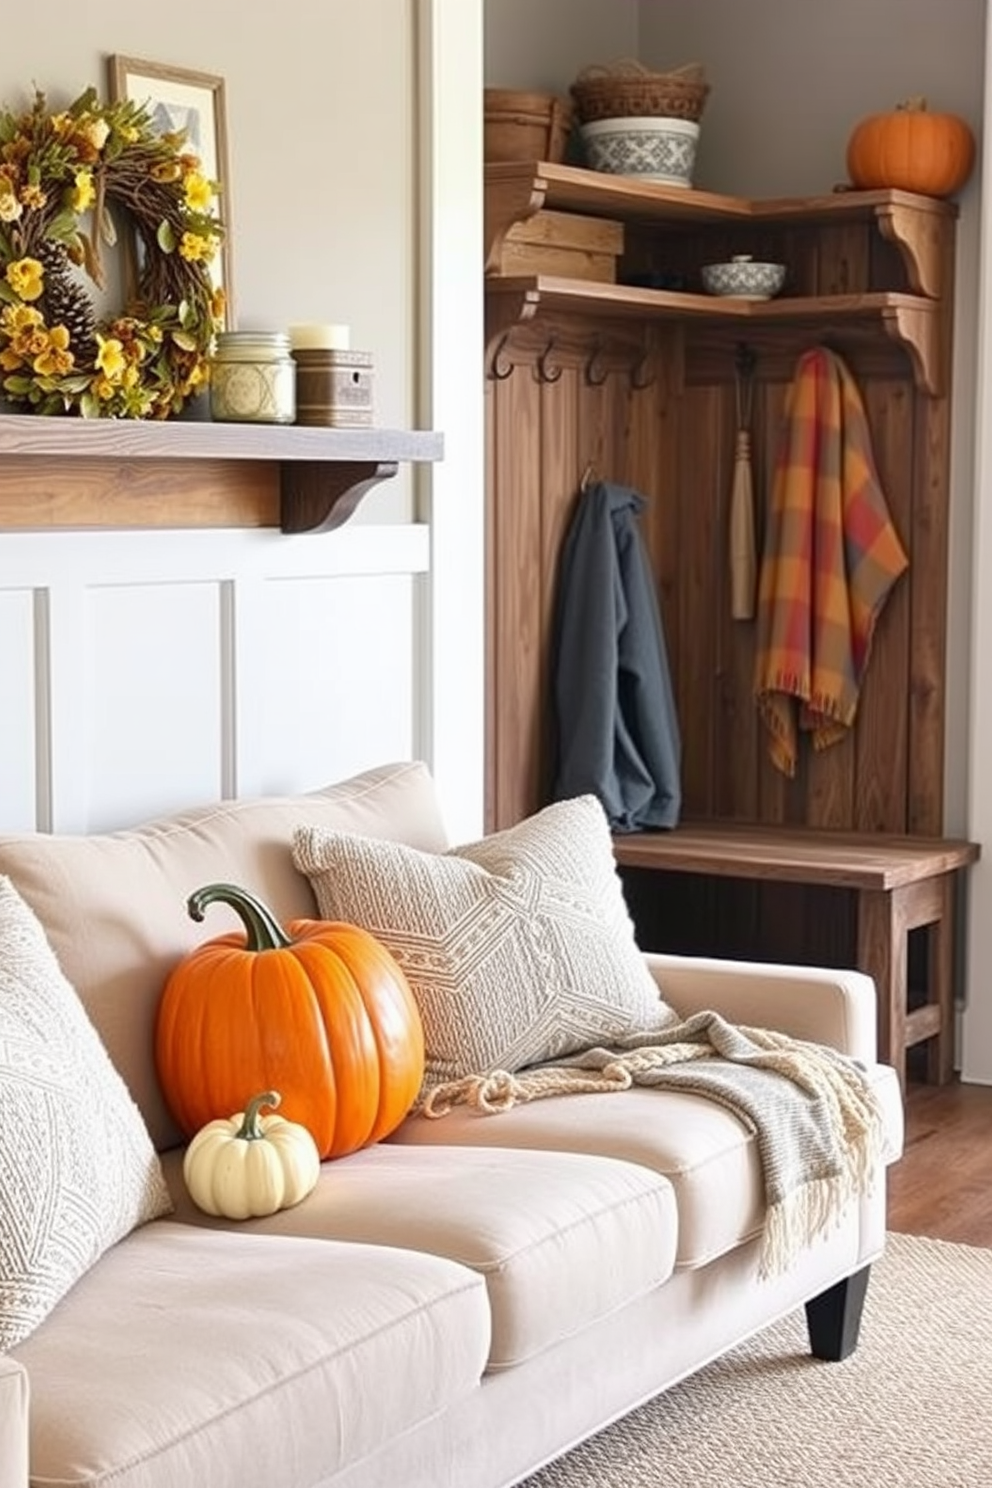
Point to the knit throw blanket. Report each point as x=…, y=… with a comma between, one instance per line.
x=813, y=1113
x=831, y=556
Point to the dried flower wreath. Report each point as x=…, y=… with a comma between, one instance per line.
x=87, y=163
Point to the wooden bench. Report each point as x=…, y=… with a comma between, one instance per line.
x=900, y=883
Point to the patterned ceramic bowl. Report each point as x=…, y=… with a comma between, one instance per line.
x=743, y=278
x=662, y=150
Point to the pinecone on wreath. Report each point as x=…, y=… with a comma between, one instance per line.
x=66, y=301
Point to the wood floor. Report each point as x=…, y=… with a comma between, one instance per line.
x=942, y=1186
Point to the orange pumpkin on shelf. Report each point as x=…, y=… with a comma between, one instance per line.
x=320, y=1011
x=911, y=149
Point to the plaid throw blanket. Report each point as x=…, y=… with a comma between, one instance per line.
x=813, y=1112
x=831, y=556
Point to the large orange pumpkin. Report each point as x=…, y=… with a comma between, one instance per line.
x=319, y=1011
x=911, y=149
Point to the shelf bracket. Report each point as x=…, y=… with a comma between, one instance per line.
x=919, y=236
x=919, y=332
x=317, y=497
x=507, y=202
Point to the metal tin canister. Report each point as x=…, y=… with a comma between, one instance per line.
x=253, y=378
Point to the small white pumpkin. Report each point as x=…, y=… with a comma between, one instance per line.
x=248, y=1165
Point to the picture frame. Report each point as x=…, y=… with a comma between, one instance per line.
x=180, y=98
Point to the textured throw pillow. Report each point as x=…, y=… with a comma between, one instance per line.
x=77, y=1168
x=519, y=948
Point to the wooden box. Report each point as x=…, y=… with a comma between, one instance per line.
x=564, y=244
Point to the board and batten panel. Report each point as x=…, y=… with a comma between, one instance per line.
x=150, y=672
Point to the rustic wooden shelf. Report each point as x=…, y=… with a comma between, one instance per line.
x=912, y=320
x=515, y=191
x=218, y=474
x=917, y=226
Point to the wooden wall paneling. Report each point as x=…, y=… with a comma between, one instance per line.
x=928, y=585
x=656, y=415
x=695, y=668
x=928, y=624
x=516, y=585
x=561, y=481
x=778, y=799
x=842, y=259
x=881, y=733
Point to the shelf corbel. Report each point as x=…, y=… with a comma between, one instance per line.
x=920, y=237
x=317, y=497
x=510, y=199
x=919, y=331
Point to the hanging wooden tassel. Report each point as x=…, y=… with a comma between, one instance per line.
x=743, y=559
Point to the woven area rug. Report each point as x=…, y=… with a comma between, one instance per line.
x=911, y=1408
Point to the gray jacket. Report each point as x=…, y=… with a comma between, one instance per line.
x=614, y=709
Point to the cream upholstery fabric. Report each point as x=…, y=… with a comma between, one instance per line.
x=703, y=1150
x=518, y=948
x=545, y=1229
x=196, y=1360
x=114, y=904
x=77, y=1167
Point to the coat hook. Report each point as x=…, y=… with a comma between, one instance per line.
x=588, y=476
x=545, y=371
x=595, y=377
x=499, y=368
x=638, y=381
x=745, y=359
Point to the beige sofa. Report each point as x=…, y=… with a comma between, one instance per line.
x=453, y=1307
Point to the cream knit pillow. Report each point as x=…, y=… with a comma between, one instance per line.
x=518, y=948
x=77, y=1167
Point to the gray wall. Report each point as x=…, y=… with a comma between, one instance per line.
x=543, y=44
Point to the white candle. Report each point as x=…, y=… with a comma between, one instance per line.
x=320, y=337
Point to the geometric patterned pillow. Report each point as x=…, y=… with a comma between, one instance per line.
x=518, y=948
x=77, y=1168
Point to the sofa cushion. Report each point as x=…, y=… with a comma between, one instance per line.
x=519, y=948
x=708, y=1156
x=114, y=904
x=77, y=1167
x=562, y=1239
x=245, y=1361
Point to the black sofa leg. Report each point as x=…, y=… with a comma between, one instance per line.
x=833, y=1319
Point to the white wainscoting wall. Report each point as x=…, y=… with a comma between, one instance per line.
x=145, y=672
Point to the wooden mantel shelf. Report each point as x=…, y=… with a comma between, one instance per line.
x=69, y=472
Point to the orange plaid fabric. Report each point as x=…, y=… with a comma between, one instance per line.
x=831, y=556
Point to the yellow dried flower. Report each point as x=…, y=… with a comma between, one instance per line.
x=26, y=277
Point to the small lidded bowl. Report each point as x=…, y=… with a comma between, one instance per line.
x=744, y=278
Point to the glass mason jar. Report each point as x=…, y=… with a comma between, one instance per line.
x=253, y=378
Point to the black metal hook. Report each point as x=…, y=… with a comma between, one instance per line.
x=545, y=371
x=745, y=359
x=499, y=368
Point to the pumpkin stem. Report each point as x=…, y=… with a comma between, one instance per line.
x=917, y=104
x=250, y=1130
x=261, y=926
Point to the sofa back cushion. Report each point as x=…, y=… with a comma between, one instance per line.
x=113, y=905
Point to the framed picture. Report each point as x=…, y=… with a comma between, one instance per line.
x=179, y=99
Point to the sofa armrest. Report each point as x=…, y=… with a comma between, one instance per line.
x=832, y=1007
x=14, y=1395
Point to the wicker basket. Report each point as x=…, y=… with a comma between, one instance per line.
x=526, y=126
x=628, y=90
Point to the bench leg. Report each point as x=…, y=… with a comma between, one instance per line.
x=833, y=1319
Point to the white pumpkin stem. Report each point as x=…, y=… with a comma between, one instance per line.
x=250, y=1130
